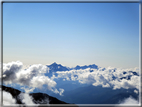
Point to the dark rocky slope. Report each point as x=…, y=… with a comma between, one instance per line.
x=38, y=98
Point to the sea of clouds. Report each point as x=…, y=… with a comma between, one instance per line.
x=106, y=77
x=34, y=77
x=8, y=100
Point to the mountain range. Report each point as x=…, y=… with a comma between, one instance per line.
x=58, y=67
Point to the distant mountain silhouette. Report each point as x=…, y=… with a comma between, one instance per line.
x=54, y=67
x=85, y=67
x=38, y=98
x=58, y=67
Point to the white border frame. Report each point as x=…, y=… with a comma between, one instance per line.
x=78, y=1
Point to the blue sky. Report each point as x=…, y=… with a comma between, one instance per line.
x=105, y=34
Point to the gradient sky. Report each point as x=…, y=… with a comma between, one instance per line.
x=105, y=34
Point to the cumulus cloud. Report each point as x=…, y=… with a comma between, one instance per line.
x=33, y=77
x=129, y=100
x=25, y=76
x=10, y=70
x=106, y=77
x=8, y=99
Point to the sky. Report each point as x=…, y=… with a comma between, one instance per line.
x=105, y=34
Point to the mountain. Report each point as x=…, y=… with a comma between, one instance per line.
x=13, y=92
x=57, y=67
x=38, y=98
x=85, y=67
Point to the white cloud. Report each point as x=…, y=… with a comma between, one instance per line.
x=25, y=76
x=129, y=100
x=33, y=77
x=136, y=91
x=60, y=92
x=8, y=99
x=10, y=70
x=26, y=99
x=106, y=77
x=27, y=89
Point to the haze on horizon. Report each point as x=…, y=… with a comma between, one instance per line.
x=105, y=34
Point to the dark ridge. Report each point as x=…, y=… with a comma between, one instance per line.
x=38, y=98
x=13, y=92
x=41, y=98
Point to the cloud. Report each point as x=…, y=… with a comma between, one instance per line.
x=26, y=99
x=136, y=91
x=10, y=70
x=25, y=76
x=28, y=89
x=8, y=99
x=60, y=92
x=129, y=100
x=106, y=77
x=33, y=77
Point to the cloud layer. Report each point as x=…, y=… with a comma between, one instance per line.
x=106, y=77
x=33, y=77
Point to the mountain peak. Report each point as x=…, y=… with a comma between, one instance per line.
x=57, y=67
x=86, y=66
x=54, y=63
